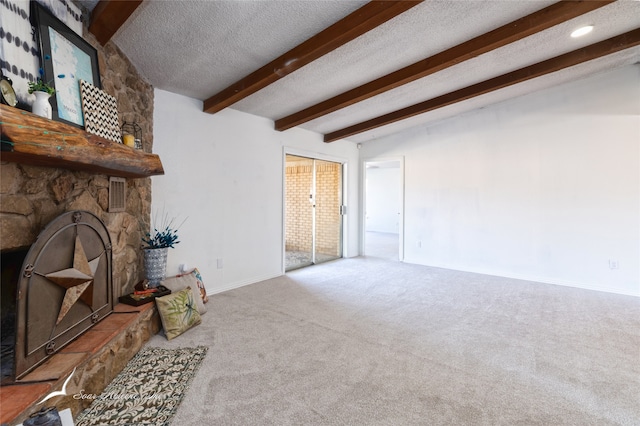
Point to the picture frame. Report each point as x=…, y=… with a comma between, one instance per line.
x=65, y=59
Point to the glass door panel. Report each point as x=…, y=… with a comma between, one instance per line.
x=298, y=212
x=328, y=218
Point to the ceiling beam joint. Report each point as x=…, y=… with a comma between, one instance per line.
x=108, y=16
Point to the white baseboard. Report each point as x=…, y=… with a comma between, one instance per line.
x=241, y=283
x=535, y=278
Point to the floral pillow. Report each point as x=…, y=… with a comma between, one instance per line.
x=178, y=312
x=196, y=275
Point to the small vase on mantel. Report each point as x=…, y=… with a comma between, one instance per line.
x=41, y=105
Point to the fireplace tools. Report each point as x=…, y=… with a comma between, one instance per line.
x=45, y=417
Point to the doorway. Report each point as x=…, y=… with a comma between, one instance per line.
x=313, y=211
x=383, y=215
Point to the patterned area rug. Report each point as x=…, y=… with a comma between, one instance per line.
x=148, y=391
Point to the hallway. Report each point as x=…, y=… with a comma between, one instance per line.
x=383, y=245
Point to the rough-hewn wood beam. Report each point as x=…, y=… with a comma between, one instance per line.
x=352, y=26
x=108, y=16
x=28, y=139
x=603, y=48
x=509, y=33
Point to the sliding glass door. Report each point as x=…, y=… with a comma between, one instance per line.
x=313, y=213
x=327, y=214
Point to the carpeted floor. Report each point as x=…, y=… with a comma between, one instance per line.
x=366, y=341
x=384, y=245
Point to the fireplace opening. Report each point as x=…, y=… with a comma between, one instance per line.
x=10, y=266
x=54, y=291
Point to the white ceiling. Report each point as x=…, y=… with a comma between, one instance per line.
x=199, y=47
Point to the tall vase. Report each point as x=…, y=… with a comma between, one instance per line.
x=41, y=105
x=155, y=265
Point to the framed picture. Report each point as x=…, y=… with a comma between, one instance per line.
x=65, y=58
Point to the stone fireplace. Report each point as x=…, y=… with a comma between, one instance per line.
x=31, y=198
x=33, y=194
x=82, y=246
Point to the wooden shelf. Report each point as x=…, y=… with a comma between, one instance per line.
x=29, y=139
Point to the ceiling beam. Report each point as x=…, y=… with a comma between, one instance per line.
x=108, y=16
x=594, y=51
x=368, y=17
x=509, y=33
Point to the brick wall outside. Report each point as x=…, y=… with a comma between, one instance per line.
x=298, y=221
x=299, y=181
x=328, y=199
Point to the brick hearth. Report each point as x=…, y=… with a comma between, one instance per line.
x=99, y=355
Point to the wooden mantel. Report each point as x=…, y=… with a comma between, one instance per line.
x=29, y=139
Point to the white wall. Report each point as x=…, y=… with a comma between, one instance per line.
x=382, y=199
x=544, y=187
x=225, y=172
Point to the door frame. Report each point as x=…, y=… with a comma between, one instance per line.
x=316, y=156
x=363, y=203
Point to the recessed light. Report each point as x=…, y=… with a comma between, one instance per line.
x=582, y=31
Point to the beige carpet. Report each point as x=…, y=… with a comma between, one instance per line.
x=384, y=245
x=371, y=342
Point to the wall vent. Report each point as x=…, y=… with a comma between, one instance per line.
x=117, y=194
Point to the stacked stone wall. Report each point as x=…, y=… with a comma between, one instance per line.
x=32, y=196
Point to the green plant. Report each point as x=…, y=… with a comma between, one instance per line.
x=166, y=237
x=41, y=86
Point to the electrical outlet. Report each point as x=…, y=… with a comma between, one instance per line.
x=419, y=244
x=219, y=263
x=614, y=264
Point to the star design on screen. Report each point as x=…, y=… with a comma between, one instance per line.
x=77, y=280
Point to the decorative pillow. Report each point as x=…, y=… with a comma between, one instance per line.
x=178, y=312
x=183, y=281
x=203, y=291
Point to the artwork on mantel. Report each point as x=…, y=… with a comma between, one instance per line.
x=65, y=59
x=100, y=111
x=19, y=50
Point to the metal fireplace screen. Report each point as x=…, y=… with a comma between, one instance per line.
x=64, y=289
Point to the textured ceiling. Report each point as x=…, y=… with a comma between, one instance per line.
x=198, y=48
